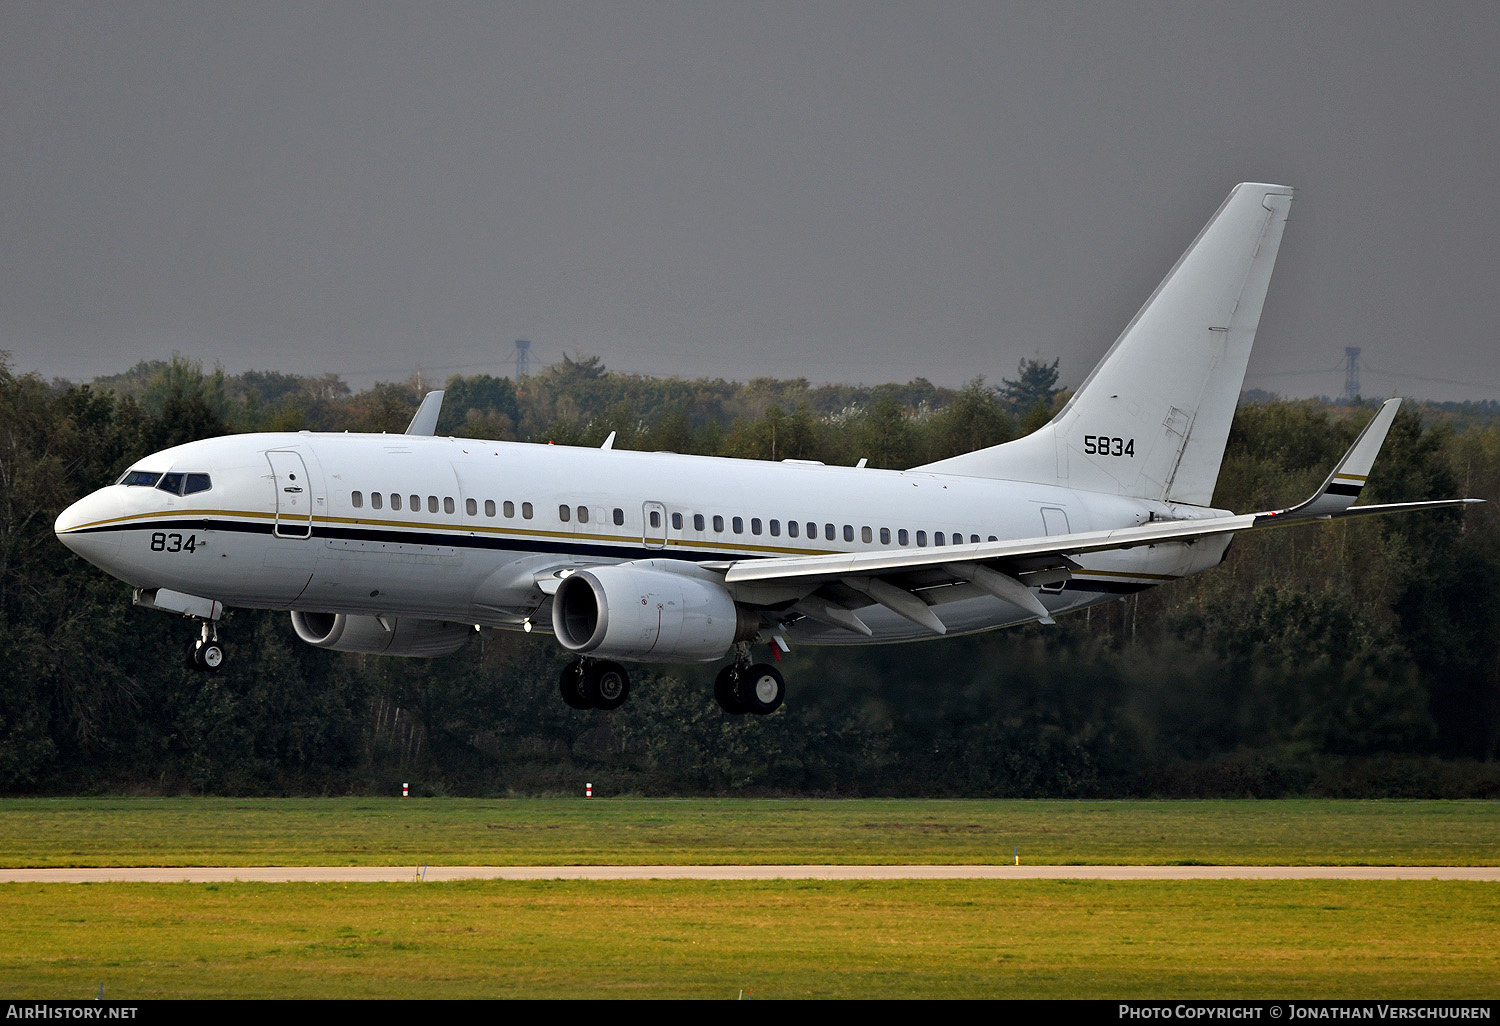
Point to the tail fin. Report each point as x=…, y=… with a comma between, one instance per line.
x=1153, y=417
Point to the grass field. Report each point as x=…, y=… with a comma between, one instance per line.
x=416, y=831
x=908, y=939
x=779, y=939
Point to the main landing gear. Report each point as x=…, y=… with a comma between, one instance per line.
x=594, y=684
x=741, y=688
x=206, y=655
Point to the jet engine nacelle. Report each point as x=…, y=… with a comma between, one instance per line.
x=632, y=612
x=385, y=635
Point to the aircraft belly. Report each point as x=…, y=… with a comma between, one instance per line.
x=388, y=577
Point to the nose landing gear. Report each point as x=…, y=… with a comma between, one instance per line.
x=206, y=654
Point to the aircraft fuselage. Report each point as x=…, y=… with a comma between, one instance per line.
x=459, y=529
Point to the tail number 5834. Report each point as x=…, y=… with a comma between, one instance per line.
x=1105, y=445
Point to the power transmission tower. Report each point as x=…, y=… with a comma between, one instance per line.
x=523, y=358
x=1351, y=373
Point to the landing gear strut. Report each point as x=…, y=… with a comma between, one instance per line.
x=206, y=654
x=741, y=688
x=594, y=684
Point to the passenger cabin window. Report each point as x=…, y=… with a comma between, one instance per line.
x=848, y=532
x=739, y=525
x=396, y=501
x=526, y=510
x=432, y=503
x=583, y=514
x=416, y=503
x=864, y=535
x=793, y=528
x=489, y=507
x=937, y=537
x=357, y=500
x=676, y=521
x=812, y=530
x=830, y=532
x=656, y=518
x=718, y=523
x=448, y=506
x=697, y=521
x=564, y=514
x=775, y=528
x=375, y=500
x=902, y=537
x=471, y=507
x=921, y=539
x=885, y=536
x=755, y=525
x=619, y=516
x=510, y=510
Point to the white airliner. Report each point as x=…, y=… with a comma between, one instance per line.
x=403, y=544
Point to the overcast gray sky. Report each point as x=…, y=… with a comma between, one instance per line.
x=856, y=192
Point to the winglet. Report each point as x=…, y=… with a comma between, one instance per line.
x=1343, y=486
x=425, y=422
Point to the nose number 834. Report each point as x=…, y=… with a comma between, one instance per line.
x=173, y=542
x=1105, y=445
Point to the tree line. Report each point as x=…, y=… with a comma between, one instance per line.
x=1357, y=658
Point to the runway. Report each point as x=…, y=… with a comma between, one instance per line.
x=438, y=874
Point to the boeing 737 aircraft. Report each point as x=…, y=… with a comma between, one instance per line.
x=403, y=544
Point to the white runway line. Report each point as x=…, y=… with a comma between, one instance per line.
x=433, y=874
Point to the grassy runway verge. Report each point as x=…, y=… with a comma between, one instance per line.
x=578, y=831
x=906, y=939
x=779, y=939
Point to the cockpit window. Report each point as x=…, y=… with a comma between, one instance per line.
x=177, y=484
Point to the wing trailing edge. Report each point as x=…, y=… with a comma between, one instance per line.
x=1334, y=500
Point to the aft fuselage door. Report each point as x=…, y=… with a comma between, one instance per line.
x=294, y=498
x=654, y=525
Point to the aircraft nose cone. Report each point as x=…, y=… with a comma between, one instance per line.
x=82, y=526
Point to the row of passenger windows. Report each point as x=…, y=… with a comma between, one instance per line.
x=378, y=500
x=831, y=532
x=700, y=522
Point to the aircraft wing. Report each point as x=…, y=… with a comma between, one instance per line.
x=997, y=567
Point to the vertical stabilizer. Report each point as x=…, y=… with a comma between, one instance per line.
x=1153, y=417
